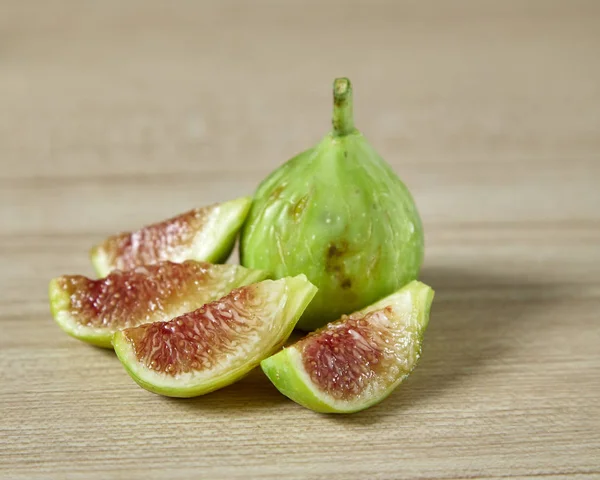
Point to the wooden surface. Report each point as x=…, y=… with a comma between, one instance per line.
x=114, y=114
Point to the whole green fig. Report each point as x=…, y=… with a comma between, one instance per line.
x=339, y=214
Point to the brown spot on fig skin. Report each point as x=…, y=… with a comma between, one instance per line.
x=337, y=249
x=276, y=193
x=297, y=209
x=334, y=262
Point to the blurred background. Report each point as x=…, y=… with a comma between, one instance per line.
x=114, y=114
x=118, y=113
x=158, y=107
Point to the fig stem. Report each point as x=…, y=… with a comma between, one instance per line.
x=343, y=117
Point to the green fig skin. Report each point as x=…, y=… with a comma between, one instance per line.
x=340, y=215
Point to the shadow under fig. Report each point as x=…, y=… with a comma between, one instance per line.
x=474, y=320
x=253, y=392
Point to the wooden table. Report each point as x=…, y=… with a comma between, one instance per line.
x=114, y=114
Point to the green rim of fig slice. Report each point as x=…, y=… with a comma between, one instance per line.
x=93, y=310
x=357, y=361
x=214, y=346
x=203, y=234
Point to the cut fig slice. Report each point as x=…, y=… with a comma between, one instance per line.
x=92, y=310
x=203, y=234
x=217, y=344
x=357, y=361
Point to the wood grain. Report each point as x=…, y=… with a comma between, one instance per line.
x=114, y=114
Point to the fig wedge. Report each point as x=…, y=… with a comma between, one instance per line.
x=216, y=345
x=357, y=361
x=93, y=310
x=203, y=234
